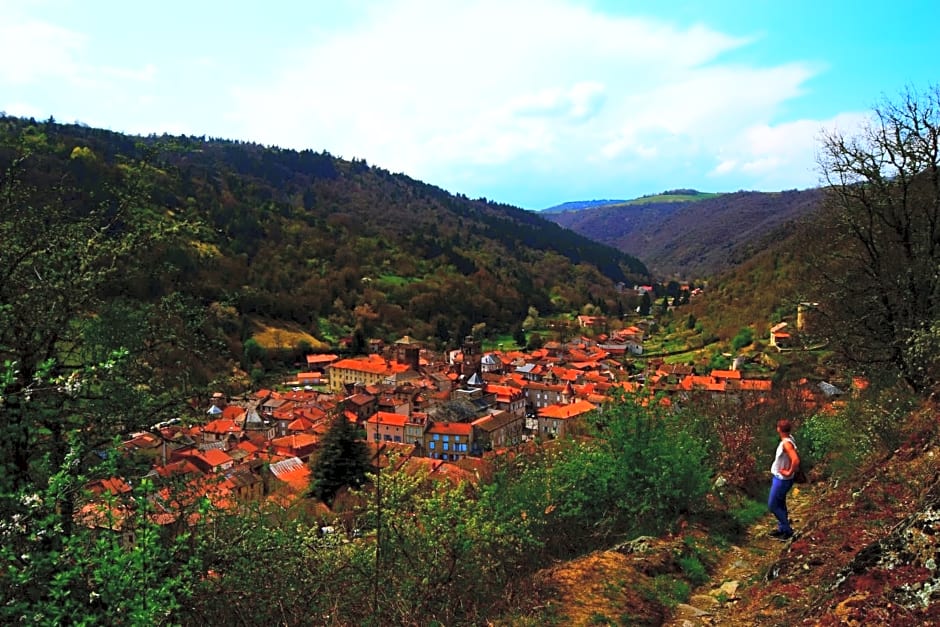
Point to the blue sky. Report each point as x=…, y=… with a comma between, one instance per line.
x=528, y=102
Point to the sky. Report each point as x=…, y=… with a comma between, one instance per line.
x=527, y=102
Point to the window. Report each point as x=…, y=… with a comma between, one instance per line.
x=431, y=445
x=446, y=438
x=436, y=436
x=446, y=446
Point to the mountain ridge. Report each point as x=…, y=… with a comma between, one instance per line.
x=694, y=239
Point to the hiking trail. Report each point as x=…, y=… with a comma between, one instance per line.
x=741, y=569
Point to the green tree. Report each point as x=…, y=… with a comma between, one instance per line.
x=255, y=353
x=743, y=338
x=880, y=286
x=255, y=555
x=343, y=461
x=80, y=366
x=449, y=554
x=662, y=465
x=358, y=344
x=61, y=255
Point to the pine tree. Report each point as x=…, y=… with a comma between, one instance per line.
x=343, y=460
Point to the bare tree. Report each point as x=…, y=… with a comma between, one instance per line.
x=881, y=275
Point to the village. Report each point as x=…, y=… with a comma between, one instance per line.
x=445, y=412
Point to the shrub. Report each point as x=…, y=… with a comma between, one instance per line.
x=693, y=569
x=744, y=337
x=667, y=591
x=661, y=465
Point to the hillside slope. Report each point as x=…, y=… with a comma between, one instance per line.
x=865, y=553
x=696, y=239
x=335, y=246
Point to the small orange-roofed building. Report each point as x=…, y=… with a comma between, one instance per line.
x=300, y=445
x=386, y=426
x=553, y=421
x=450, y=441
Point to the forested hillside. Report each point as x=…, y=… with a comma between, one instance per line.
x=335, y=246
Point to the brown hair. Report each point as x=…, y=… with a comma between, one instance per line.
x=784, y=425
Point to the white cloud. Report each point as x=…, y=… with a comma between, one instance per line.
x=470, y=95
x=38, y=51
x=784, y=154
x=420, y=86
x=32, y=50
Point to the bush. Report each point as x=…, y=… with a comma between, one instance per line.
x=693, y=569
x=744, y=337
x=668, y=591
x=662, y=468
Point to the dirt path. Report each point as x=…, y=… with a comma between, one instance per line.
x=739, y=570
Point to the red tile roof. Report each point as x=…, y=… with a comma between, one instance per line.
x=222, y=426
x=578, y=408
x=451, y=428
x=388, y=418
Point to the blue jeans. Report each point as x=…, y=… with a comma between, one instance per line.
x=777, y=503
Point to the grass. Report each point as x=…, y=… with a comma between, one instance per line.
x=668, y=591
x=749, y=512
x=330, y=332
x=396, y=280
x=501, y=342
x=284, y=337
x=645, y=200
x=693, y=569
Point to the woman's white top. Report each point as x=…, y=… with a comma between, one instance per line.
x=782, y=460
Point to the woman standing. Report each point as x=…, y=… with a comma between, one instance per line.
x=786, y=463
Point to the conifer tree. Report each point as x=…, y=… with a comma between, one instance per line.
x=343, y=461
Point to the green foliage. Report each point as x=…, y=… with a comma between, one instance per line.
x=832, y=437
x=693, y=570
x=254, y=352
x=91, y=348
x=118, y=568
x=642, y=471
x=439, y=542
x=268, y=566
x=285, y=235
x=662, y=464
x=719, y=361
x=667, y=590
x=743, y=338
x=748, y=512
x=838, y=443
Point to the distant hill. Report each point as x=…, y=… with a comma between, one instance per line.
x=692, y=238
x=675, y=195
x=578, y=205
